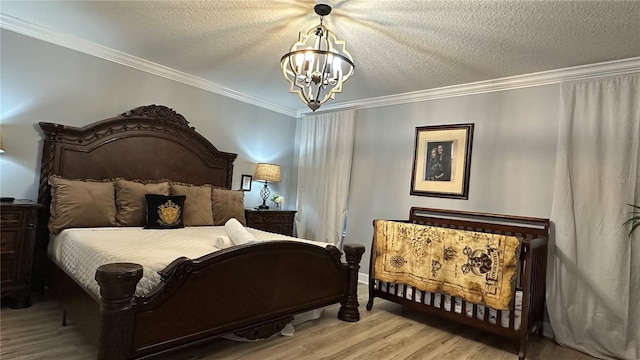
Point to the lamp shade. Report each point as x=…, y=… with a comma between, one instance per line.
x=267, y=172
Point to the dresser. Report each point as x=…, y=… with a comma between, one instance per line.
x=277, y=221
x=17, y=229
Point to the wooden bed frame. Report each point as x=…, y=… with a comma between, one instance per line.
x=530, y=278
x=251, y=291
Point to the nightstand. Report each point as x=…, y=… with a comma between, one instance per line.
x=17, y=230
x=277, y=221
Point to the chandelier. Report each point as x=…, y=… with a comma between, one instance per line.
x=317, y=64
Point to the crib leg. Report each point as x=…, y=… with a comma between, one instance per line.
x=371, y=287
x=522, y=347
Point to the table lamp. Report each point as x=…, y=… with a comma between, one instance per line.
x=266, y=172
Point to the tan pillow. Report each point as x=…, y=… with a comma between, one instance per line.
x=130, y=201
x=81, y=203
x=197, y=206
x=228, y=204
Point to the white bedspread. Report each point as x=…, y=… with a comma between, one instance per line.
x=79, y=252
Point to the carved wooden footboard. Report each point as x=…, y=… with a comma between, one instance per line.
x=526, y=312
x=251, y=291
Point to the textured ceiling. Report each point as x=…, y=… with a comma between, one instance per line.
x=398, y=46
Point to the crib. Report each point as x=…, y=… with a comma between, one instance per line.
x=526, y=312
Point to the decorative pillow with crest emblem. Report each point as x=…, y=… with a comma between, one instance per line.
x=165, y=212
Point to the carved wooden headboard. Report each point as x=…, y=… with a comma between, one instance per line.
x=148, y=142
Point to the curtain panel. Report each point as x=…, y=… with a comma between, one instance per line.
x=593, y=279
x=324, y=174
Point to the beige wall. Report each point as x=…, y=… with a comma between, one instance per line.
x=45, y=82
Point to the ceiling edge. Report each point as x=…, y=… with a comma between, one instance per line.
x=71, y=42
x=617, y=67
x=610, y=68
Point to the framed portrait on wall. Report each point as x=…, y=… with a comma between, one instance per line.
x=442, y=161
x=245, y=182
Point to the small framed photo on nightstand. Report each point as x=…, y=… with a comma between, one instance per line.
x=245, y=182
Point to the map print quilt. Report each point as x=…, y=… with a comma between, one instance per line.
x=477, y=266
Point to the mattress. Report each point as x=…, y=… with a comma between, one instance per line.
x=80, y=251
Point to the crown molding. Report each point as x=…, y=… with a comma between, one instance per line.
x=78, y=44
x=617, y=67
x=610, y=68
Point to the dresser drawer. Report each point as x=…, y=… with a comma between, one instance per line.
x=17, y=242
x=8, y=266
x=263, y=219
x=11, y=218
x=8, y=240
x=277, y=221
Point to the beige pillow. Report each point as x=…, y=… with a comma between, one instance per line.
x=197, y=206
x=81, y=203
x=130, y=200
x=228, y=204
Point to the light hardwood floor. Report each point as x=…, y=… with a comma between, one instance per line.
x=387, y=332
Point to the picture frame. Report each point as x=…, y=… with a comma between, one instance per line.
x=442, y=161
x=245, y=182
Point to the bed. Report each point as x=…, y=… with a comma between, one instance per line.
x=252, y=290
x=503, y=256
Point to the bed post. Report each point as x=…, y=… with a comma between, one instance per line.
x=349, y=306
x=117, y=287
